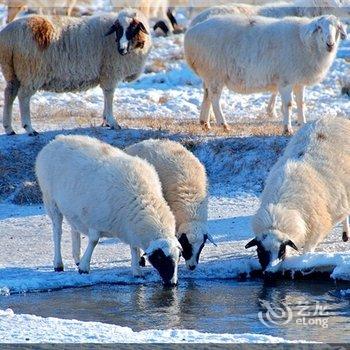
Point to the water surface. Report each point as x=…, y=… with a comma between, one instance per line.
x=313, y=311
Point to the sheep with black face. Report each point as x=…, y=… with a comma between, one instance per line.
x=103, y=192
x=185, y=185
x=307, y=192
x=65, y=54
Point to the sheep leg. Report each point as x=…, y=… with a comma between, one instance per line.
x=76, y=246
x=108, y=118
x=271, y=107
x=214, y=96
x=24, y=96
x=299, y=98
x=84, y=266
x=286, y=96
x=346, y=230
x=11, y=91
x=205, y=110
x=135, y=262
x=56, y=218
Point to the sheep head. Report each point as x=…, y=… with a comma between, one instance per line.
x=131, y=32
x=271, y=249
x=164, y=256
x=325, y=31
x=192, y=237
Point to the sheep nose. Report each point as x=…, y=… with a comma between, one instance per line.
x=192, y=267
x=123, y=52
x=330, y=46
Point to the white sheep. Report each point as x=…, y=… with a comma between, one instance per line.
x=307, y=192
x=184, y=182
x=255, y=54
x=103, y=192
x=63, y=54
x=297, y=8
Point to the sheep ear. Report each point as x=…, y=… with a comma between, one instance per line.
x=112, y=30
x=342, y=30
x=292, y=245
x=211, y=239
x=143, y=28
x=251, y=244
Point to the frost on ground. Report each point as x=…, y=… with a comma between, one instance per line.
x=33, y=329
x=163, y=103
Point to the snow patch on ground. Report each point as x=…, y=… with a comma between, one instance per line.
x=34, y=329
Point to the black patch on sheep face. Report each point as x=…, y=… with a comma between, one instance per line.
x=142, y=261
x=282, y=252
x=134, y=35
x=187, y=249
x=165, y=265
x=201, y=248
x=264, y=256
x=118, y=29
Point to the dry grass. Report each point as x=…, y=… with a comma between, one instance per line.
x=260, y=127
x=18, y=182
x=194, y=128
x=28, y=193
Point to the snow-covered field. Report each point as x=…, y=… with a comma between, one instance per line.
x=237, y=167
x=33, y=329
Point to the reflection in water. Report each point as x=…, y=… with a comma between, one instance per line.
x=208, y=306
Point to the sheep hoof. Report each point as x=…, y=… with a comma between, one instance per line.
x=142, y=262
x=226, y=127
x=345, y=237
x=11, y=133
x=288, y=131
x=205, y=126
x=83, y=272
x=58, y=269
x=33, y=133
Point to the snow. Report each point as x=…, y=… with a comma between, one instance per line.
x=237, y=168
x=34, y=329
